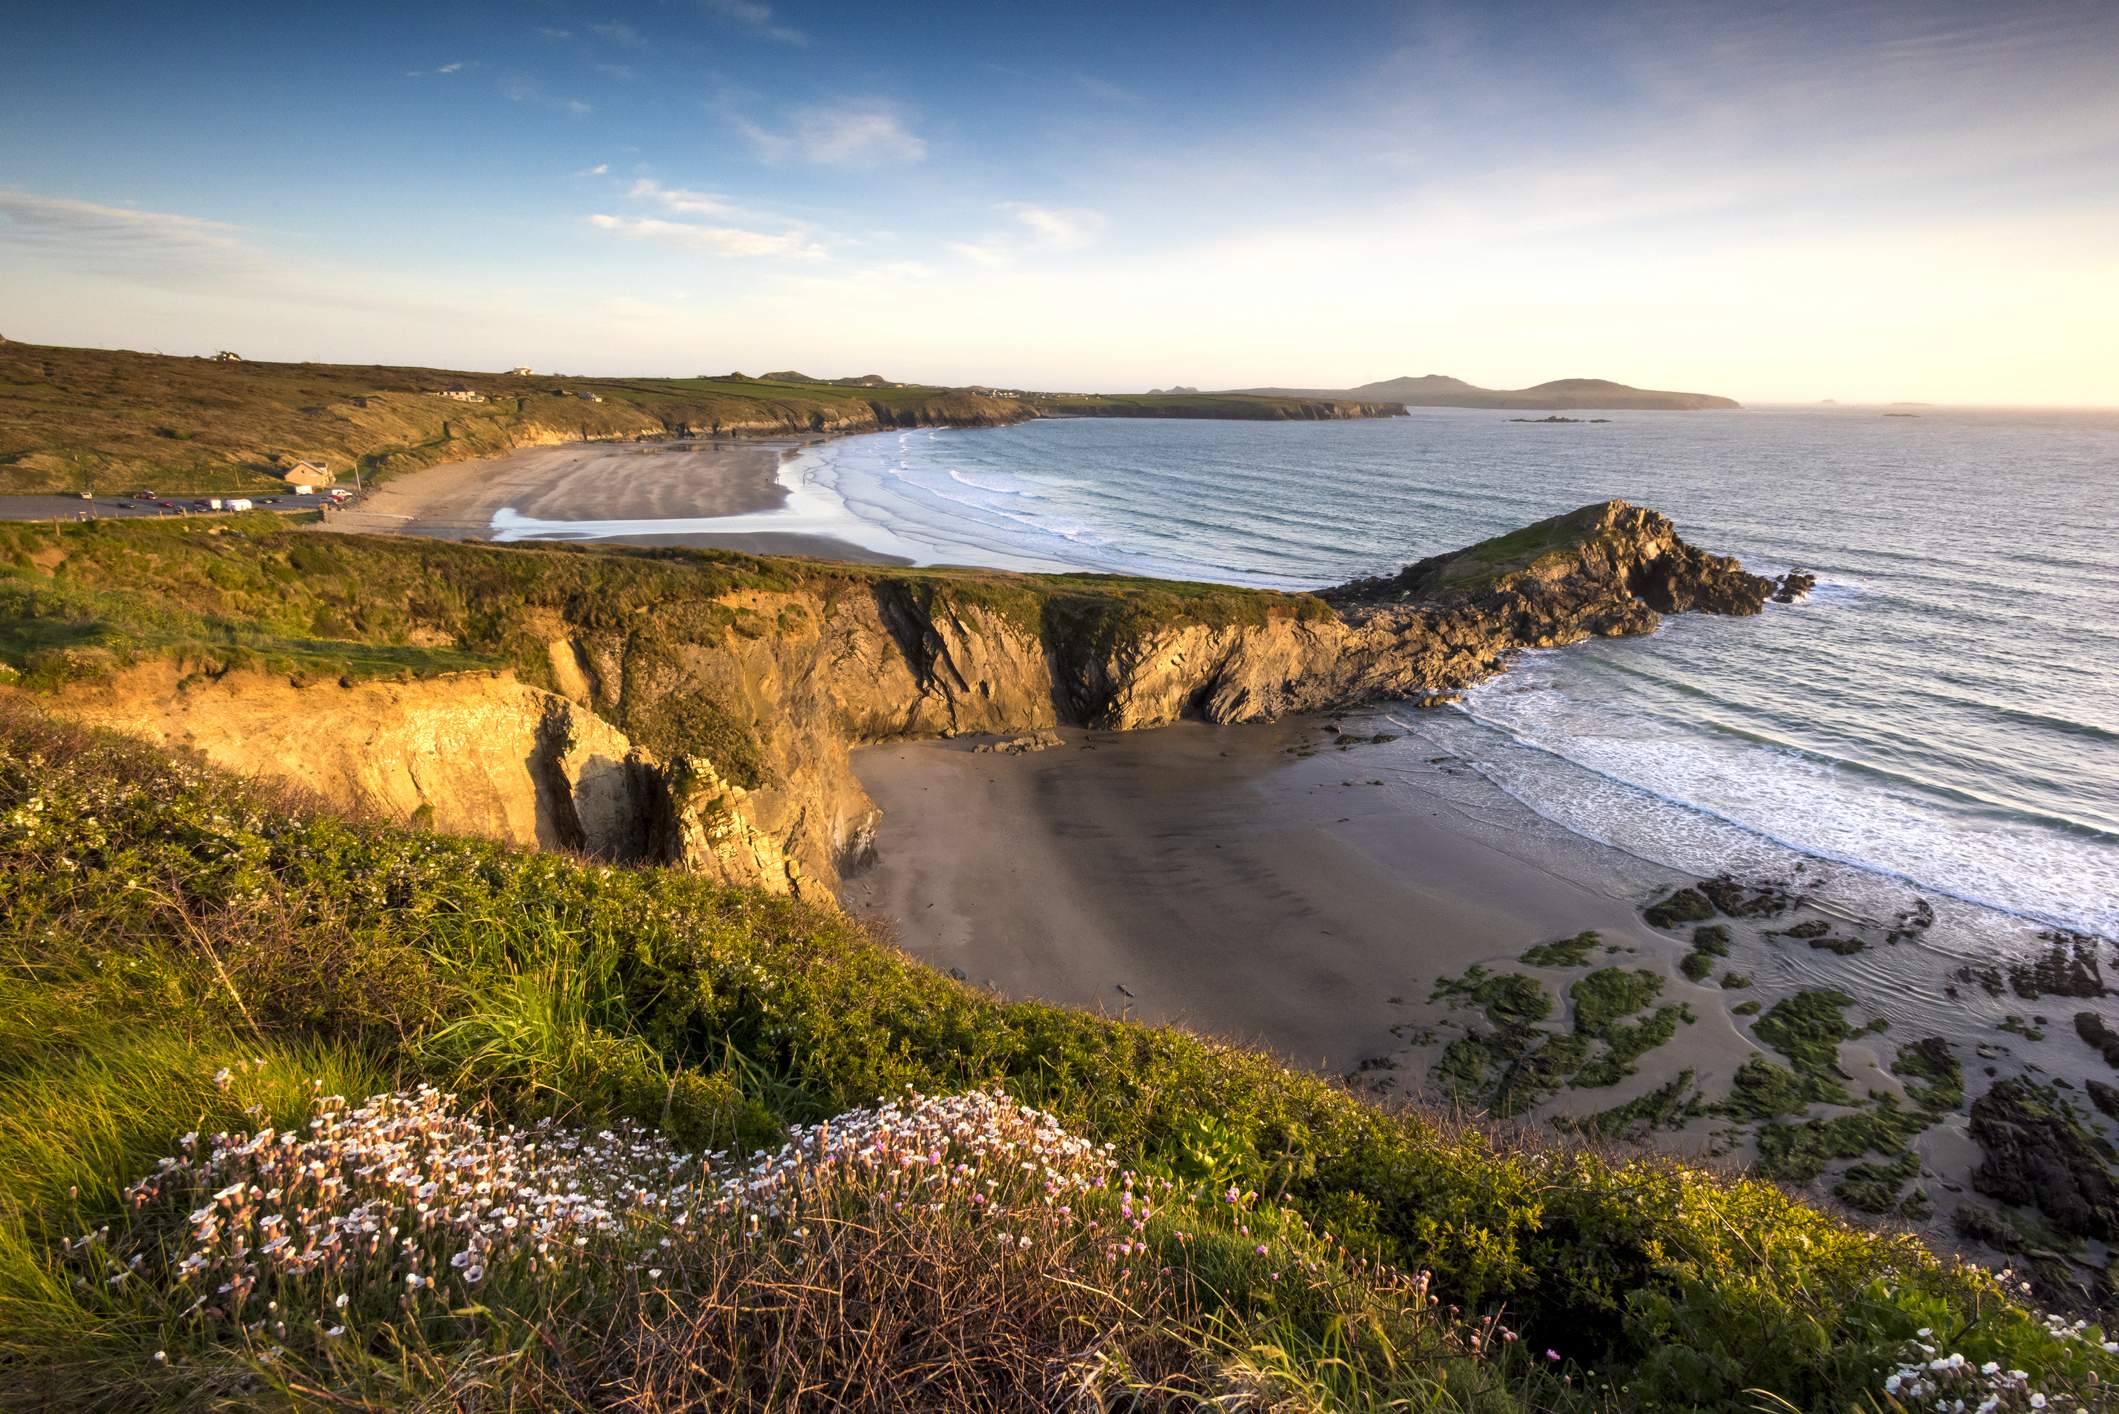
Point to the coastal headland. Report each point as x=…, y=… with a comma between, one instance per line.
x=113, y=420
x=701, y=711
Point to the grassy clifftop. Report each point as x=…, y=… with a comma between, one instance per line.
x=79, y=599
x=182, y=953
x=111, y=421
x=166, y=925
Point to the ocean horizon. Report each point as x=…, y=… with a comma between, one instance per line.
x=1937, y=714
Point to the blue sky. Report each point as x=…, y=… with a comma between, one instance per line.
x=1768, y=200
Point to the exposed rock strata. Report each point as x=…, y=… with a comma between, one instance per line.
x=832, y=664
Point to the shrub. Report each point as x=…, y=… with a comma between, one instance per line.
x=966, y=1247
x=163, y=923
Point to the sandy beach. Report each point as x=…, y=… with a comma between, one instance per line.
x=1303, y=887
x=1215, y=878
x=685, y=480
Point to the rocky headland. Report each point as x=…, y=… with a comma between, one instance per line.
x=697, y=709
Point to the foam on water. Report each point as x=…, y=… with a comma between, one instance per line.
x=1943, y=713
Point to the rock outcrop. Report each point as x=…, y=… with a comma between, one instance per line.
x=713, y=733
x=2039, y=1154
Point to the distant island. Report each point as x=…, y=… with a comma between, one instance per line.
x=1435, y=390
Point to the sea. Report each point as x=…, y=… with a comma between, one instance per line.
x=1941, y=716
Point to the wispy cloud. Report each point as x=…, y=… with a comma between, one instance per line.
x=596, y=171
x=980, y=254
x=1048, y=228
x=189, y=257
x=716, y=240
x=520, y=88
x=755, y=17
x=439, y=70
x=1055, y=229
x=720, y=226
x=120, y=240
x=617, y=32
x=869, y=133
x=682, y=200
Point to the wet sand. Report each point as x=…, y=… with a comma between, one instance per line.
x=1301, y=891
x=590, y=481
x=1275, y=899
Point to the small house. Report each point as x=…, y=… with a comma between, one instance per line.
x=522, y=371
x=227, y=356
x=301, y=473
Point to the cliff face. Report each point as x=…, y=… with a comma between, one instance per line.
x=791, y=673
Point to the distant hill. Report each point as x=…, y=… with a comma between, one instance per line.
x=866, y=380
x=1435, y=390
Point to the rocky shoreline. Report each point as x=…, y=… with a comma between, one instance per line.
x=789, y=674
x=700, y=712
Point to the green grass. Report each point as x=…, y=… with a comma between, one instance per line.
x=112, y=421
x=164, y=922
x=79, y=601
